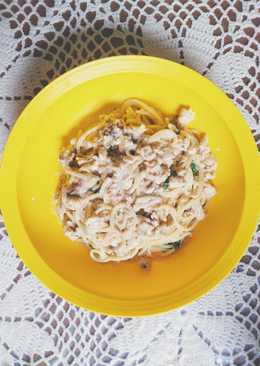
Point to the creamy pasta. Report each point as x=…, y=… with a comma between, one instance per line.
x=135, y=184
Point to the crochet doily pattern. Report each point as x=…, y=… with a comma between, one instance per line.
x=41, y=39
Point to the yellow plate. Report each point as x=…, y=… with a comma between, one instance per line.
x=30, y=170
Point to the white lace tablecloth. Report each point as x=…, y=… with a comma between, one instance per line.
x=40, y=40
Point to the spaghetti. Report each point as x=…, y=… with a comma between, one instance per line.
x=136, y=184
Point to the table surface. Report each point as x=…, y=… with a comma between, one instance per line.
x=42, y=39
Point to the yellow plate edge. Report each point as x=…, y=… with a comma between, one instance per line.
x=150, y=306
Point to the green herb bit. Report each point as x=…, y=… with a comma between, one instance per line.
x=195, y=169
x=173, y=245
x=173, y=172
x=113, y=151
x=166, y=184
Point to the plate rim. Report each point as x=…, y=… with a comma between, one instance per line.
x=125, y=307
